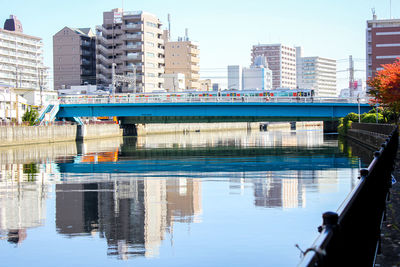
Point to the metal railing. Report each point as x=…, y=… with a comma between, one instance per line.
x=351, y=236
x=182, y=98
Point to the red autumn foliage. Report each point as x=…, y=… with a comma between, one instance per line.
x=386, y=87
x=386, y=83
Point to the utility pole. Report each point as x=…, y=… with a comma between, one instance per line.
x=351, y=75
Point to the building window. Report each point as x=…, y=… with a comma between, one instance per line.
x=150, y=54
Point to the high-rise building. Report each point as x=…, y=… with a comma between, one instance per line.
x=258, y=76
x=21, y=57
x=182, y=56
x=74, y=57
x=281, y=60
x=234, y=77
x=133, y=42
x=382, y=43
x=316, y=73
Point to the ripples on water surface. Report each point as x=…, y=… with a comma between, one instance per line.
x=201, y=199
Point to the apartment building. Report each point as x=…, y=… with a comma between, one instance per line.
x=74, y=57
x=132, y=40
x=182, y=56
x=316, y=73
x=21, y=57
x=281, y=60
x=382, y=43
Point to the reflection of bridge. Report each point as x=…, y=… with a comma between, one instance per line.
x=131, y=113
x=205, y=160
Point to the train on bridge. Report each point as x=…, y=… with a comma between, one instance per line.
x=194, y=96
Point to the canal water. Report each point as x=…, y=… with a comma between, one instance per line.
x=230, y=198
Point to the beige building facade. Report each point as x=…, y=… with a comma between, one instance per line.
x=183, y=56
x=132, y=40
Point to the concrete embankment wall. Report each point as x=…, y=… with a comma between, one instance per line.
x=98, y=131
x=21, y=135
x=370, y=134
x=145, y=129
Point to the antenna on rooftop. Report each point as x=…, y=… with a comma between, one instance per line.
x=169, y=26
x=373, y=13
x=390, y=7
x=186, y=34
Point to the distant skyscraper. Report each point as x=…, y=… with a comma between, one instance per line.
x=316, y=73
x=74, y=57
x=281, y=60
x=234, y=77
x=383, y=43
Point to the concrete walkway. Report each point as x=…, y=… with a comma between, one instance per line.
x=391, y=227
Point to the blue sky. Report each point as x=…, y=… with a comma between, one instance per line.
x=225, y=30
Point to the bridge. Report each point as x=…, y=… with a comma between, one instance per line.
x=229, y=109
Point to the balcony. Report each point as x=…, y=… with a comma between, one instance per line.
x=86, y=43
x=130, y=67
x=133, y=47
x=128, y=27
x=136, y=36
x=194, y=60
x=195, y=68
x=133, y=56
x=194, y=51
x=86, y=53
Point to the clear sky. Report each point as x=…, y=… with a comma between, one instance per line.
x=225, y=30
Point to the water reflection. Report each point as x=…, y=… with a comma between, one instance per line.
x=22, y=201
x=136, y=193
x=132, y=215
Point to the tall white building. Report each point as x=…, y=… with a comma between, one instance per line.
x=21, y=57
x=281, y=60
x=316, y=73
x=234, y=77
x=133, y=41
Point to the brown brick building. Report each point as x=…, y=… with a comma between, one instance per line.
x=382, y=42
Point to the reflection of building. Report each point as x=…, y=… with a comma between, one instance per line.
x=132, y=215
x=77, y=212
x=279, y=192
x=22, y=202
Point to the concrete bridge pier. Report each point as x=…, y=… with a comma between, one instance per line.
x=129, y=129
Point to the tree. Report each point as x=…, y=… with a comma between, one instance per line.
x=30, y=116
x=386, y=88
